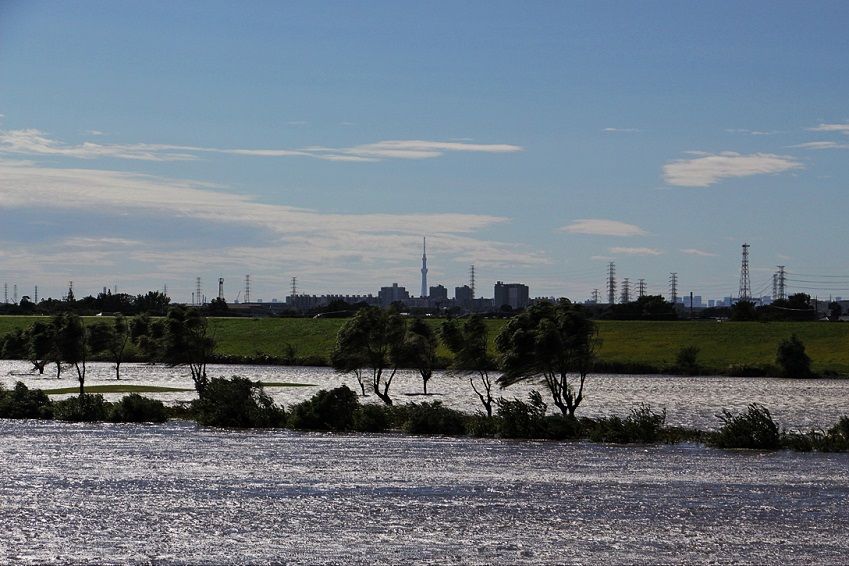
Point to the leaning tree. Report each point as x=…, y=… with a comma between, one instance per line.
x=468, y=343
x=371, y=341
x=551, y=343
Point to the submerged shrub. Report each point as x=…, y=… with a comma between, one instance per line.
x=370, y=418
x=642, y=426
x=134, y=408
x=753, y=428
x=326, y=410
x=792, y=359
x=237, y=402
x=480, y=425
x=24, y=403
x=835, y=439
x=82, y=408
x=433, y=418
x=518, y=419
x=687, y=360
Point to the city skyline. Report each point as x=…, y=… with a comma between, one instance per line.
x=143, y=145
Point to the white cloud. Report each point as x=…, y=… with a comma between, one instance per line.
x=304, y=242
x=694, y=251
x=36, y=142
x=822, y=145
x=602, y=258
x=621, y=130
x=634, y=251
x=602, y=227
x=95, y=133
x=842, y=128
x=707, y=169
x=751, y=132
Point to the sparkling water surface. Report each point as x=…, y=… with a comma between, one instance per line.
x=180, y=493
x=689, y=401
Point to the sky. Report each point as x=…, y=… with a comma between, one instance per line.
x=145, y=144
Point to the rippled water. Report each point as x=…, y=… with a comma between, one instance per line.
x=689, y=401
x=181, y=493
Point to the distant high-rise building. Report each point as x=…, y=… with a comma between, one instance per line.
x=389, y=295
x=424, y=268
x=514, y=295
x=463, y=297
x=438, y=293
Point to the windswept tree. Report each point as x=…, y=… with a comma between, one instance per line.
x=468, y=343
x=419, y=350
x=188, y=341
x=42, y=344
x=550, y=343
x=792, y=358
x=72, y=341
x=111, y=339
x=372, y=342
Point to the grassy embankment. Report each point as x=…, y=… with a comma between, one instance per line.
x=653, y=344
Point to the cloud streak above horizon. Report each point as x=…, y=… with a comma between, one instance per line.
x=603, y=227
x=707, y=169
x=34, y=142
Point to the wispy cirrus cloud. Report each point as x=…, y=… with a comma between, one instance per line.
x=602, y=227
x=707, y=169
x=841, y=128
x=634, y=251
x=35, y=142
x=822, y=145
x=621, y=130
x=698, y=252
x=751, y=132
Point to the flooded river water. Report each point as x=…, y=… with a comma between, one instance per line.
x=180, y=493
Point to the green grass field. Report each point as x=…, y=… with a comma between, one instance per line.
x=650, y=343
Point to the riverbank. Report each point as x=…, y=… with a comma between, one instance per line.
x=725, y=348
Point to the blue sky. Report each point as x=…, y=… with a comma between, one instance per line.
x=144, y=144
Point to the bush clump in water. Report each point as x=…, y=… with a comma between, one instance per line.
x=134, y=408
x=24, y=403
x=82, y=408
x=370, y=418
x=642, y=426
x=326, y=410
x=432, y=418
x=835, y=439
x=518, y=419
x=753, y=428
x=237, y=402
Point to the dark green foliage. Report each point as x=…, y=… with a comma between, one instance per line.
x=187, y=341
x=23, y=403
x=482, y=426
x=753, y=428
x=134, y=408
x=371, y=418
x=15, y=345
x=237, y=402
x=835, y=439
x=563, y=427
x=468, y=343
x=642, y=426
x=518, y=419
x=72, y=340
x=743, y=311
x=792, y=359
x=749, y=370
x=687, y=360
x=372, y=341
x=326, y=410
x=647, y=307
x=82, y=408
x=432, y=418
x=549, y=343
x=418, y=350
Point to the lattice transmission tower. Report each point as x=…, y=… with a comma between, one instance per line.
x=673, y=288
x=745, y=293
x=611, y=283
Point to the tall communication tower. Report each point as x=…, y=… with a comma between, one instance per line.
x=472, y=279
x=294, y=286
x=221, y=288
x=424, y=268
x=625, y=297
x=673, y=288
x=15, y=293
x=611, y=283
x=745, y=284
x=198, y=300
x=781, y=280
x=641, y=288
x=5, y=293
x=248, y=288
x=36, y=294
x=165, y=289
